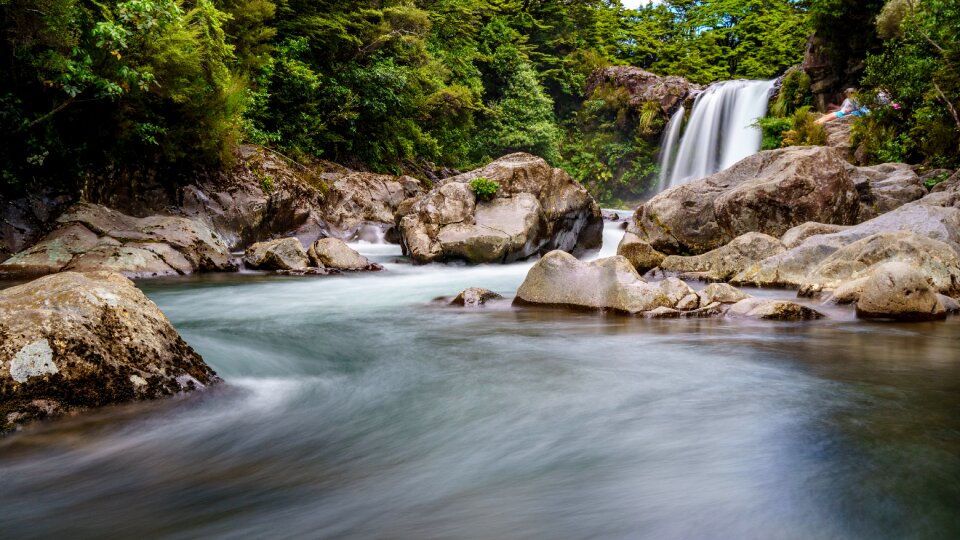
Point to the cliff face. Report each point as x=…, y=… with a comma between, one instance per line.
x=644, y=87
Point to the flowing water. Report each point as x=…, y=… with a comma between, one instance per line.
x=720, y=131
x=358, y=407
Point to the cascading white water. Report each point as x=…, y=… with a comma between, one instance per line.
x=669, y=144
x=720, y=131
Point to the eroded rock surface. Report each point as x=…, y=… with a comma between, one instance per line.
x=74, y=341
x=725, y=262
x=92, y=237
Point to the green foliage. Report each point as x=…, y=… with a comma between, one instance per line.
x=930, y=183
x=266, y=182
x=484, y=188
x=800, y=129
x=794, y=93
x=773, y=129
x=920, y=68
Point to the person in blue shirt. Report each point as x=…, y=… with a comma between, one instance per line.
x=850, y=106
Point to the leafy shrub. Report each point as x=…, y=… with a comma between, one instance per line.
x=804, y=131
x=266, y=183
x=773, y=129
x=794, y=93
x=484, y=188
x=931, y=182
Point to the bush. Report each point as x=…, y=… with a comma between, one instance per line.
x=773, y=129
x=484, y=188
x=794, y=94
x=804, y=130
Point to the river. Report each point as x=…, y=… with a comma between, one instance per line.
x=359, y=407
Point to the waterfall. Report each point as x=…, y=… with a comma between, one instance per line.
x=719, y=133
x=669, y=144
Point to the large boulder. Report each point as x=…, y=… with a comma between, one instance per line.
x=335, y=253
x=935, y=217
x=74, y=341
x=559, y=279
x=92, y=237
x=899, y=291
x=725, y=262
x=769, y=192
x=936, y=261
x=536, y=209
x=885, y=187
x=280, y=254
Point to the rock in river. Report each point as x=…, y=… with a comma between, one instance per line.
x=536, y=209
x=769, y=192
x=280, y=254
x=73, y=341
x=335, y=253
x=900, y=292
x=559, y=279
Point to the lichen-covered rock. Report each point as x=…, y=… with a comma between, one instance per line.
x=769, y=192
x=640, y=254
x=92, y=237
x=900, y=292
x=775, y=310
x=559, y=279
x=280, y=254
x=475, y=297
x=536, y=209
x=795, y=236
x=74, y=341
x=334, y=253
x=724, y=262
x=721, y=293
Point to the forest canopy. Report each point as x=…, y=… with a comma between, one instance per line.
x=175, y=84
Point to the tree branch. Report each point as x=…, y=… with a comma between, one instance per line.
x=953, y=110
x=50, y=114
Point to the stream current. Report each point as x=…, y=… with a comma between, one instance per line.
x=356, y=406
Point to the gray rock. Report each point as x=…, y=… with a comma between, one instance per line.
x=795, y=236
x=559, y=279
x=769, y=192
x=885, y=187
x=898, y=291
x=723, y=263
x=92, y=237
x=73, y=341
x=537, y=209
x=334, y=253
x=721, y=293
x=775, y=310
x=280, y=254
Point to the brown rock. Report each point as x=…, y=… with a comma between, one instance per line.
x=334, y=253
x=281, y=254
x=723, y=263
x=640, y=254
x=475, y=297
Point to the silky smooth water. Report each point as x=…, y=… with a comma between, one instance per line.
x=719, y=133
x=359, y=407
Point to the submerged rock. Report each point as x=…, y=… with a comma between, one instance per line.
x=280, y=254
x=769, y=192
x=776, y=310
x=559, y=279
x=475, y=297
x=900, y=292
x=335, y=253
x=74, y=341
x=536, y=209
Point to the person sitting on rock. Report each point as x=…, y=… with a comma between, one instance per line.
x=850, y=106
